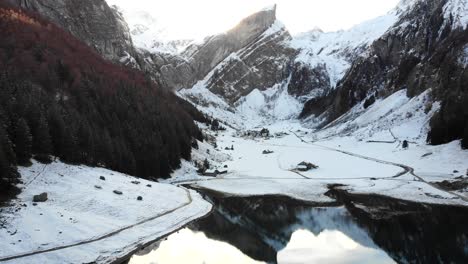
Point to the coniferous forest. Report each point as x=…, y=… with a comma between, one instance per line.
x=60, y=99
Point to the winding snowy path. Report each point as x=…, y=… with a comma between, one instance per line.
x=407, y=169
x=98, y=238
x=252, y=174
x=82, y=224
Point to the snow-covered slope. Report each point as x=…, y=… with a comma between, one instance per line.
x=272, y=77
x=335, y=51
x=424, y=49
x=84, y=221
x=396, y=117
x=457, y=10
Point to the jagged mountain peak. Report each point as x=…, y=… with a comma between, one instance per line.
x=255, y=24
x=270, y=8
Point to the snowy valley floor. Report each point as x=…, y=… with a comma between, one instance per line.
x=362, y=167
x=85, y=221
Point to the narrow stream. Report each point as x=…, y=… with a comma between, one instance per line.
x=280, y=230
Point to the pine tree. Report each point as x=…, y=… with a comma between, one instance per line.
x=23, y=142
x=42, y=143
x=465, y=137
x=206, y=164
x=86, y=143
x=57, y=130
x=4, y=171
x=8, y=173
x=7, y=146
x=69, y=151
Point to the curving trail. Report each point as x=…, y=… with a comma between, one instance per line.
x=99, y=238
x=407, y=169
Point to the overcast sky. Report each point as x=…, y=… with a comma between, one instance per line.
x=199, y=18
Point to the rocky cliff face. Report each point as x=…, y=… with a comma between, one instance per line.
x=203, y=58
x=425, y=49
x=91, y=21
x=420, y=45
x=325, y=57
x=260, y=65
x=198, y=60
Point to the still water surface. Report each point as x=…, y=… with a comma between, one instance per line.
x=273, y=230
x=191, y=247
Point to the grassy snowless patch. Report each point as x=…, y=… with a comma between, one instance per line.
x=58, y=97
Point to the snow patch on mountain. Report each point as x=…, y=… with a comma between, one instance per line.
x=458, y=11
x=256, y=109
x=272, y=105
x=337, y=50
x=269, y=8
x=276, y=27
x=211, y=104
x=463, y=60
x=149, y=34
x=395, y=117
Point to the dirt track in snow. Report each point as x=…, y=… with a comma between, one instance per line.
x=99, y=238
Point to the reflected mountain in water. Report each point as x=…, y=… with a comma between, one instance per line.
x=407, y=232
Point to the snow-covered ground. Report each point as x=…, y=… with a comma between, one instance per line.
x=84, y=221
x=371, y=171
x=362, y=150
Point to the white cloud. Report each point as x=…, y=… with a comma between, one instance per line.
x=195, y=19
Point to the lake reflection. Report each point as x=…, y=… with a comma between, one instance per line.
x=279, y=230
x=328, y=247
x=189, y=247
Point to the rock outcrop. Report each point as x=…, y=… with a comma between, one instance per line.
x=91, y=21
x=309, y=81
x=425, y=49
x=200, y=59
x=260, y=65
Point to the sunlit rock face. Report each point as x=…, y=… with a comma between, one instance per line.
x=91, y=21
x=260, y=65
x=251, y=42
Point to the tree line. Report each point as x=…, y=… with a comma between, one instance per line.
x=58, y=98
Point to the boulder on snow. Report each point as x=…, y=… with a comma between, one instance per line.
x=427, y=154
x=102, y=178
x=306, y=166
x=136, y=182
x=97, y=187
x=118, y=192
x=148, y=185
x=40, y=198
x=139, y=198
x=266, y=152
x=405, y=144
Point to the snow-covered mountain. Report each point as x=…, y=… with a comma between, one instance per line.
x=325, y=57
x=271, y=78
x=424, y=49
x=151, y=35
x=419, y=47
x=258, y=71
